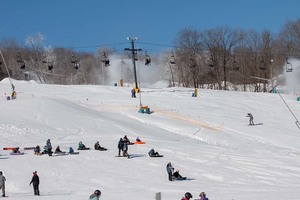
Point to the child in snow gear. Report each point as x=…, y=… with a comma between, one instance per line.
x=202, y=196
x=251, y=119
x=37, y=150
x=96, y=195
x=153, y=153
x=120, y=146
x=187, y=196
x=98, y=147
x=35, y=182
x=2, y=183
x=170, y=171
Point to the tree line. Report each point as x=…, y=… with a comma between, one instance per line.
x=218, y=58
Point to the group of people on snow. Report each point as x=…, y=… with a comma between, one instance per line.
x=188, y=196
x=123, y=146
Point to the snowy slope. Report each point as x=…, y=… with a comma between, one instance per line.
x=206, y=138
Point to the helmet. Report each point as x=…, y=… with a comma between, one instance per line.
x=188, y=195
x=202, y=194
x=97, y=192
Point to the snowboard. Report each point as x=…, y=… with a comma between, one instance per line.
x=29, y=148
x=180, y=179
x=87, y=148
x=158, y=156
x=74, y=153
x=16, y=154
x=60, y=154
x=140, y=142
x=9, y=148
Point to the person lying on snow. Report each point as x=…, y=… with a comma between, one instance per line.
x=176, y=175
x=57, y=150
x=16, y=150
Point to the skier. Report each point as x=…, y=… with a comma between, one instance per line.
x=203, y=196
x=35, y=182
x=120, y=146
x=187, y=196
x=98, y=147
x=2, y=183
x=96, y=195
x=153, y=153
x=251, y=119
x=170, y=171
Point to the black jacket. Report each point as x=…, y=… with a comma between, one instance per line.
x=35, y=180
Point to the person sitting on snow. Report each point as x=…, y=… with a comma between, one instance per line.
x=16, y=150
x=71, y=150
x=98, y=147
x=81, y=146
x=57, y=150
x=138, y=139
x=37, y=150
x=153, y=153
x=176, y=175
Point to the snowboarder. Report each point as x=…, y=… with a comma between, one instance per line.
x=16, y=150
x=48, y=148
x=251, y=119
x=81, y=146
x=71, y=150
x=153, y=153
x=120, y=146
x=133, y=93
x=125, y=149
x=187, y=196
x=96, y=195
x=176, y=175
x=2, y=183
x=202, y=196
x=170, y=171
x=57, y=150
x=35, y=181
x=98, y=147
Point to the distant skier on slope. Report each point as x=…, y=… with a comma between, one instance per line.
x=251, y=119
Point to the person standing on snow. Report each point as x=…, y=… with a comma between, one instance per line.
x=251, y=119
x=120, y=146
x=2, y=183
x=35, y=182
x=170, y=170
x=96, y=195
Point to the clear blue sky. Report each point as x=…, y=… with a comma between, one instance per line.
x=84, y=23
